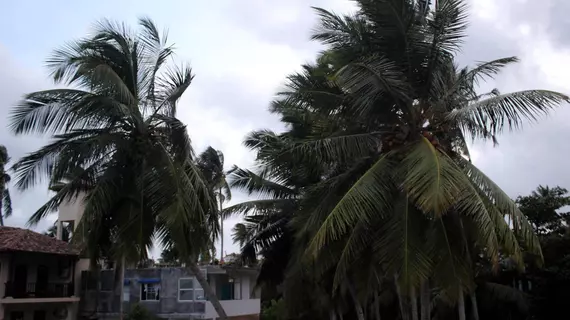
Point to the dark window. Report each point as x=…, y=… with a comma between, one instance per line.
x=39, y=315
x=17, y=315
x=150, y=291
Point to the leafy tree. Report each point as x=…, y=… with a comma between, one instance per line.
x=118, y=124
x=541, y=208
x=5, y=200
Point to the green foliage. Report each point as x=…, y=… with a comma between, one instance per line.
x=371, y=185
x=273, y=310
x=541, y=208
x=139, y=312
x=5, y=200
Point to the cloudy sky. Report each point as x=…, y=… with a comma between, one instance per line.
x=241, y=52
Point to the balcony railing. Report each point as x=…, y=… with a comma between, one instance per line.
x=38, y=290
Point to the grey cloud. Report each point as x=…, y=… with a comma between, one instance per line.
x=14, y=83
x=299, y=19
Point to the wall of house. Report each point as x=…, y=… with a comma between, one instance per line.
x=169, y=305
x=28, y=310
x=234, y=308
x=71, y=210
x=33, y=260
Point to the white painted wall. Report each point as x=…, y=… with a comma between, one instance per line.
x=234, y=308
x=71, y=210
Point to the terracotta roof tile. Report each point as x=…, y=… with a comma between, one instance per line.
x=16, y=239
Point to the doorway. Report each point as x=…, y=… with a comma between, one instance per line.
x=39, y=315
x=42, y=281
x=20, y=280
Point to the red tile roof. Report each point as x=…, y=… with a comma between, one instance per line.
x=16, y=239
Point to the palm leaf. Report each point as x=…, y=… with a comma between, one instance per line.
x=507, y=110
x=252, y=183
x=505, y=205
x=370, y=195
x=432, y=180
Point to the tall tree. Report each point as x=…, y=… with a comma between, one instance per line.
x=385, y=114
x=117, y=122
x=211, y=163
x=5, y=200
x=541, y=206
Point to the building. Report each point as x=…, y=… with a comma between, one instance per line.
x=174, y=293
x=37, y=279
x=170, y=292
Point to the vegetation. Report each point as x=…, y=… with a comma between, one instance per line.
x=368, y=203
x=370, y=198
x=116, y=138
x=5, y=200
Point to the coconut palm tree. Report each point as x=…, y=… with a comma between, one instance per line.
x=116, y=120
x=5, y=200
x=211, y=163
x=400, y=111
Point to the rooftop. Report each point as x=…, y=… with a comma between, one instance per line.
x=17, y=239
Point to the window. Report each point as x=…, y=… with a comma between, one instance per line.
x=150, y=291
x=189, y=289
x=17, y=315
x=127, y=293
x=237, y=289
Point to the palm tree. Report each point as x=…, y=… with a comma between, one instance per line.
x=394, y=109
x=5, y=200
x=117, y=122
x=211, y=163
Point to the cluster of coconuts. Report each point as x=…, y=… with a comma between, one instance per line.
x=432, y=139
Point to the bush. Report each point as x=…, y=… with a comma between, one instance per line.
x=139, y=312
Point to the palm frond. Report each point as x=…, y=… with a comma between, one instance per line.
x=432, y=179
x=370, y=195
x=505, y=206
x=371, y=79
x=507, y=110
x=170, y=86
x=257, y=207
x=253, y=183
x=485, y=70
x=6, y=203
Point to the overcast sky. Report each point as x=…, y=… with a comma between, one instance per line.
x=241, y=52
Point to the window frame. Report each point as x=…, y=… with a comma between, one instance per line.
x=156, y=292
x=193, y=289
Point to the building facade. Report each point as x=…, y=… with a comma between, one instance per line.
x=172, y=293
x=37, y=279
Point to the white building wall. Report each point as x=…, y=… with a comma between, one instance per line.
x=234, y=308
x=71, y=210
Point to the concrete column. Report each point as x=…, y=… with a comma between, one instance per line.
x=59, y=234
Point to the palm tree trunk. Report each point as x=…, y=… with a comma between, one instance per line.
x=332, y=314
x=377, y=306
x=210, y=294
x=461, y=305
x=474, y=306
x=425, y=302
x=357, y=305
x=403, y=311
x=221, y=228
x=1, y=214
x=2, y=186
x=121, y=291
x=414, y=304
